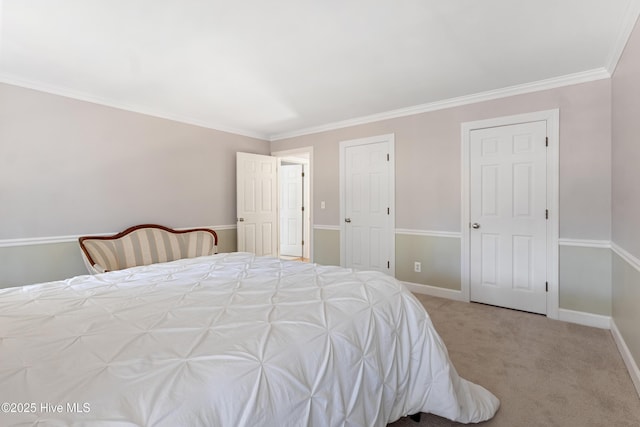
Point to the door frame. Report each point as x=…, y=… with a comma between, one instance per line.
x=552, y=117
x=391, y=238
x=281, y=155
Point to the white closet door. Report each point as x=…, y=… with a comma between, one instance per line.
x=257, y=206
x=508, y=216
x=366, y=206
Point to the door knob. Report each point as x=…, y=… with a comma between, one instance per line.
x=475, y=225
x=347, y=220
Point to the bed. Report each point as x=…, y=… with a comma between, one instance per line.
x=226, y=340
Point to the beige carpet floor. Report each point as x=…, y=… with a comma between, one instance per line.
x=545, y=372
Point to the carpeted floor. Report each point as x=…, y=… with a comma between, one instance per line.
x=545, y=372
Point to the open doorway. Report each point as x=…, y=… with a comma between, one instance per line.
x=294, y=198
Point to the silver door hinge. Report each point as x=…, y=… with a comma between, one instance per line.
x=546, y=141
x=546, y=214
x=387, y=157
x=546, y=286
x=388, y=264
x=388, y=212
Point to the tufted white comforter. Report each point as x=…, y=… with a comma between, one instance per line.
x=226, y=340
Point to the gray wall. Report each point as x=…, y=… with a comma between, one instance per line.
x=70, y=167
x=428, y=165
x=428, y=187
x=626, y=193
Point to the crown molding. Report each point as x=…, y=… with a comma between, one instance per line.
x=552, y=83
x=81, y=96
x=555, y=82
x=629, y=22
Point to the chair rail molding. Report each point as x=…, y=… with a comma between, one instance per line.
x=429, y=233
x=326, y=227
x=628, y=257
x=585, y=243
x=29, y=241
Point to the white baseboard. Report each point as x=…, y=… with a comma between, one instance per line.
x=586, y=319
x=629, y=361
x=435, y=291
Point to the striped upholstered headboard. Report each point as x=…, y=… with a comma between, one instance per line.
x=145, y=244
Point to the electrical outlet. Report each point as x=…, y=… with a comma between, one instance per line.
x=417, y=267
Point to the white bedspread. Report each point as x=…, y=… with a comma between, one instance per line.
x=226, y=340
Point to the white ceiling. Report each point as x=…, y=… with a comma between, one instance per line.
x=282, y=67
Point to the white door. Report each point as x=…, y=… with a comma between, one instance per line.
x=367, y=193
x=291, y=210
x=257, y=207
x=306, y=218
x=508, y=216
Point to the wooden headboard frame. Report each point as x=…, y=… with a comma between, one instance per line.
x=138, y=227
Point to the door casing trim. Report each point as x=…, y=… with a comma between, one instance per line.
x=293, y=152
x=552, y=117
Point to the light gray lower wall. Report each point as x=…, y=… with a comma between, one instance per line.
x=585, y=272
x=429, y=168
x=326, y=246
x=25, y=265
x=439, y=258
x=626, y=303
x=585, y=279
x=227, y=240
